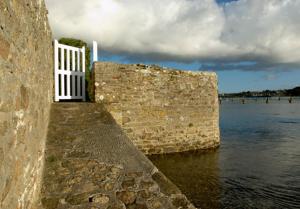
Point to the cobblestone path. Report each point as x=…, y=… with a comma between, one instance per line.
x=90, y=164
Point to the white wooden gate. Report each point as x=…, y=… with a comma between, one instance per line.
x=69, y=69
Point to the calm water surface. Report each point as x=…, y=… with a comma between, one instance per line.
x=257, y=165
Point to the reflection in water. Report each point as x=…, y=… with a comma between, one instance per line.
x=196, y=180
x=257, y=165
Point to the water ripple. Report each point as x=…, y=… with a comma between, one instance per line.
x=256, y=167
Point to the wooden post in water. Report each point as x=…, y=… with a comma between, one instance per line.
x=267, y=100
x=290, y=100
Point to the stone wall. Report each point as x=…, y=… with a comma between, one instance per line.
x=25, y=97
x=161, y=110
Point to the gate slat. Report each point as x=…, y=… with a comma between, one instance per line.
x=78, y=60
x=68, y=86
x=73, y=85
x=83, y=71
x=62, y=77
x=68, y=60
x=68, y=76
x=73, y=60
x=78, y=70
x=62, y=60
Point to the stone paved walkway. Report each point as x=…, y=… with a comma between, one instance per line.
x=91, y=164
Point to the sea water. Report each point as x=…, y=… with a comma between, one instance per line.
x=257, y=164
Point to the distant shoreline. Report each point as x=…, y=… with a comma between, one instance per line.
x=295, y=92
x=260, y=100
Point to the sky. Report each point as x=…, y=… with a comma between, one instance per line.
x=250, y=44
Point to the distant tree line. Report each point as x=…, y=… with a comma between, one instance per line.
x=266, y=93
x=293, y=92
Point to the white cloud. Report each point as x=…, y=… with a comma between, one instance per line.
x=265, y=31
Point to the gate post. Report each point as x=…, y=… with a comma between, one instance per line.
x=56, y=83
x=95, y=51
x=83, y=70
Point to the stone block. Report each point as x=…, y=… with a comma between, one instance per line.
x=4, y=48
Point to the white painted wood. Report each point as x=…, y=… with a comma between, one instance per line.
x=78, y=60
x=68, y=60
x=62, y=77
x=73, y=73
x=73, y=60
x=83, y=70
x=56, y=82
x=68, y=67
x=62, y=60
x=95, y=51
x=68, y=87
x=67, y=47
x=73, y=86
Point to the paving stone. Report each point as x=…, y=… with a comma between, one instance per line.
x=114, y=175
x=127, y=197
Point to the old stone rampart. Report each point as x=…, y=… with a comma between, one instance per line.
x=161, y=110
x=25, y=96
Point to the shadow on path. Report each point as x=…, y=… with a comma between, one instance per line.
x=91, y=163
